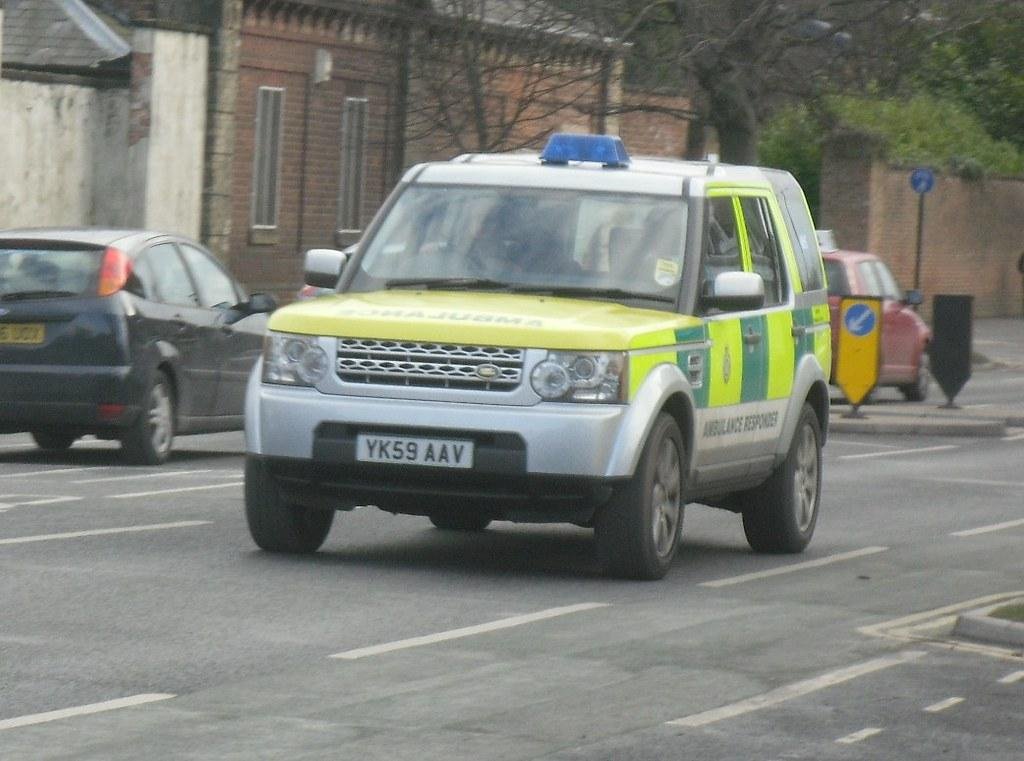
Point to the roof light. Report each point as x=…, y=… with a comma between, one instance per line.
x=564, y=147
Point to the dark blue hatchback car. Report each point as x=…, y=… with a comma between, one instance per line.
x=123, y=334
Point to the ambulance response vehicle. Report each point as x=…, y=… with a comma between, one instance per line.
x=572, y=337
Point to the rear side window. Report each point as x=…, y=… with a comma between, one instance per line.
x=40, y=272
x=801, y=230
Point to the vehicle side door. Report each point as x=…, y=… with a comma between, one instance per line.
x=167, y=323
x=724, y=451
x=900, y=334
x=236, y=335
x=768, y=341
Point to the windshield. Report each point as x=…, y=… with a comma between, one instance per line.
x=524, y=239
x=37, y=272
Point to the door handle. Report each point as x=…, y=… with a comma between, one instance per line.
x=180, y=326
x=751, y=338
x=799, y=331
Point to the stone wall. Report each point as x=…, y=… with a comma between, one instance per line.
x=62, y=149
x=971, y=234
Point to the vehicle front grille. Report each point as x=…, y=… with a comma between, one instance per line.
x=429, y=365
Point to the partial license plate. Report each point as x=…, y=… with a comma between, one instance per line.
x=411, y=450
x=22, y=333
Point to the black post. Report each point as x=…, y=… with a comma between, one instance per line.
x=920, y=236
x=950, y=347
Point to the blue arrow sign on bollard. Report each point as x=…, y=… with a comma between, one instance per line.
x=922, y=180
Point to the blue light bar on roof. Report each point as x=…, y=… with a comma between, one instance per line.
x=564, y=147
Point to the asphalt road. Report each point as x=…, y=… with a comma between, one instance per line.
x=133, y=602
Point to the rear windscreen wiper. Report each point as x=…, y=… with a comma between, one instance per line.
x=41, y=294
x=446, y=283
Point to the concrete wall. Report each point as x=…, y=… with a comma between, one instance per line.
x=62, y=154
x=971, y=234
x=167, y=132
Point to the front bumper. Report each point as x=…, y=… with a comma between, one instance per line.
x=548, y=439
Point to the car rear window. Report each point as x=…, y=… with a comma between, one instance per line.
x=836, y=274
x=41, y=272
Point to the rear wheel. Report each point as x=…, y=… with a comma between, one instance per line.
x=275, y=524
x=460, y=521
x=637, y=532
x=53, y=442
x=149, y=440
x=781, y=515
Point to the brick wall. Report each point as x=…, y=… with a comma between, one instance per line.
x=656, y=132
x=971, y=234
x=279, y=50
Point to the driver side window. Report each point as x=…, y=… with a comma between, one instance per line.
x=721, y=243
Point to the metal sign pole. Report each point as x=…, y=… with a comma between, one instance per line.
x=922, y=181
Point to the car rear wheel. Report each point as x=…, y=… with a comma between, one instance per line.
x=781, y=515
x=918, y=391
x=460, y=521
x=275, y=524
x=53, y=442
x=149, y=440
x=637, y=531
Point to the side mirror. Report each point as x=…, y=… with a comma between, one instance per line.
x=323, y=266
x=913, y=298
x=736, y=292
x=262, y=303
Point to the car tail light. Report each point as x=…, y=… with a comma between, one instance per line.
x=114, y=271
x=109, y=413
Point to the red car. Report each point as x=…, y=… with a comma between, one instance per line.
x=905, y=335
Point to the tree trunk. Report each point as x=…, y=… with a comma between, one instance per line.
x=731, y=111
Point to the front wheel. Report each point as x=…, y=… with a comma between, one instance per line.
x=918, y=390
x=781, y=515
x=637, y=532
x=149, y=440
x=275, y=524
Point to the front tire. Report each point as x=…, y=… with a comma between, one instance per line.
x=918, y=391
x=781, y=514
x=275, y=524
x=151, y=436
x=53, y=442
x=637, y=532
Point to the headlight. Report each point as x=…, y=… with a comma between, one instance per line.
x=293, y=360
x=598, y=376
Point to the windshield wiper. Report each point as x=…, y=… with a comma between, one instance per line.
x=41, y=294
x=458, y=283
x=610, y=293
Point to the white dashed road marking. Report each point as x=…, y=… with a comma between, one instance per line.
x=973, y=482
x=989, y=529
x=163, y=474
x=39, y=500
x=52, y=471
x=893, y=453
x=794, y=567
x=103, y=531
x=468, y=631
x=799, y=689
x=857, y=737
x=67, y=713
x=1016, y=676
x=175, y=491
x=943, y=705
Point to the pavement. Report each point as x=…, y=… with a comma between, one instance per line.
x=998, y=345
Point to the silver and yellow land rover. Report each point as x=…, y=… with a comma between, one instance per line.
x=571, y=337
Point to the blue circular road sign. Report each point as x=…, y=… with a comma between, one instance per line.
x=922, y=180
x=859, y=320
